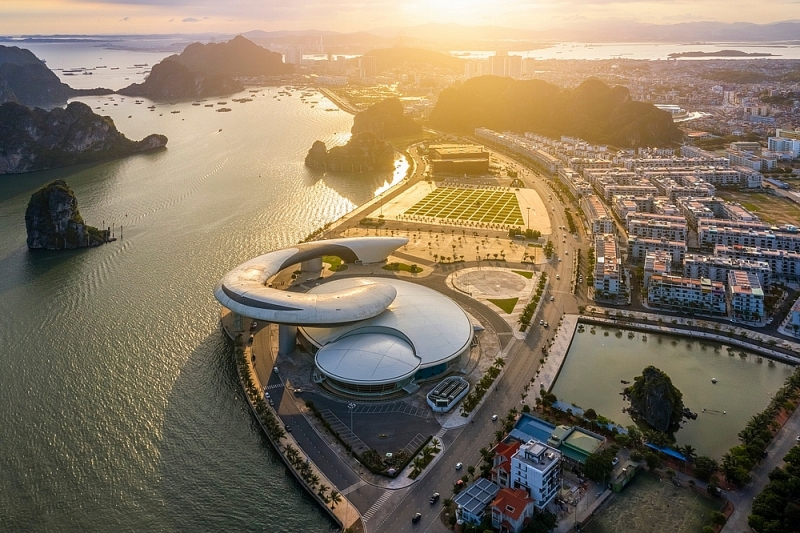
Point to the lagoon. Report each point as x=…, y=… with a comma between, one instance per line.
x=597, y=363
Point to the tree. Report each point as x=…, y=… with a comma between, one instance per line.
x=471, y=470
x=717, y=518
x=335, y=498
x=598, y=465
x=653, y=460
x=705, y=467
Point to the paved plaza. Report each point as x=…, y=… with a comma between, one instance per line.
x=490, y=206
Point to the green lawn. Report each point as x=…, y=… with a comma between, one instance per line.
x=506, y=304
x=395, y=267
x=335, y=262
x=524, y=273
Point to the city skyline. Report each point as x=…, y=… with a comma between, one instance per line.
x=19, y=17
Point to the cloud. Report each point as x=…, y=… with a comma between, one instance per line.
x=192, y=19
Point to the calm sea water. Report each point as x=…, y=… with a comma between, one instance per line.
x=120, y=406
x=596, y=364
x=653, y=51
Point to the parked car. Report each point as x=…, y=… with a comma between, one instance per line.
x=615, y=461
x=552, y=298
x=459, y=466
x=287, y=428
x=546, y=325
x=541, y=322
x=417, y=518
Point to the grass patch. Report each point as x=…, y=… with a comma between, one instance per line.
x=506, y=304
x=483, y=206
x=335, y=262
x=402, y=267
x=523, y=273
x=771, y=209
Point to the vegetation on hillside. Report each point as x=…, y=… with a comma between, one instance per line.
x=593, y=111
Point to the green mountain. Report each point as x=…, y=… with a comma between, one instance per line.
x=26, y=80
x=386, y=120
x=208, y=70
x=35, y=139
x=364, y=152
x=592, y=111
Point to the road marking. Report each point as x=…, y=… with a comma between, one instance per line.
x=376, y=506
x=355, y=486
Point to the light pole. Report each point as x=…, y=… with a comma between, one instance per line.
x=351, y=407
x=529, y=218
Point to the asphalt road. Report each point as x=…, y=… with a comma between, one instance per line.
x=522, y=362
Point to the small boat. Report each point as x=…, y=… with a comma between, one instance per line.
x=219, y=130
x=714, y=380
x=624, y=382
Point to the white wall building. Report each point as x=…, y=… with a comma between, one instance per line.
x=745, y=296
x=536, y=468
x=608, y=281
x=686, y=294
x=638, y=248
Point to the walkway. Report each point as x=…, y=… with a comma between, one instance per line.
x=742, y=499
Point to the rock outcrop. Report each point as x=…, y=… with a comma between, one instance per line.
x=655, y=400
x=592, y=111
x=386, y=120
x=25, y=79
x=35, y=139
x=364, y=152
x=203, y=70
x=170, y=80
x=53, y=221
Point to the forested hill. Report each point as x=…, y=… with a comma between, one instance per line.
x=593, y=111
x=386, y=58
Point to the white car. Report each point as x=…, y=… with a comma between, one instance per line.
x=494, y=417
x=615, y=461
x=552, y=298
x=459, y=466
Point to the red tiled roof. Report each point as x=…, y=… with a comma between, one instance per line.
x=517, y=499
x=507, y=450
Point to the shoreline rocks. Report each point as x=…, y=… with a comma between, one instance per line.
x=53, y=221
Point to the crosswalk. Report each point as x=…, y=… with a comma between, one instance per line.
x=376, y=506
x=274, y=386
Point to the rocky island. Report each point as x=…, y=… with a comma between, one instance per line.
x=719, y=53
x=35, y=139
x=364, y=152
x=25, y=79
x=386, y=120
x=592, y=111
x=655, y=400
x=212, y=69
x=53, y=221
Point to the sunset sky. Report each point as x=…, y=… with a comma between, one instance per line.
x=193, y=16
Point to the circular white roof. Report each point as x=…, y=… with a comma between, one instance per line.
x=437, y=328
x=370, y=358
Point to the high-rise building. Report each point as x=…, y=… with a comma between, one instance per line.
x=294, y=55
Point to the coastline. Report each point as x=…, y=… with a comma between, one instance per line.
x=344, y=515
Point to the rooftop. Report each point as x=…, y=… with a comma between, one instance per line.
x=476, y=497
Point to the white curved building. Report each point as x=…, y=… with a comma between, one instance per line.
x=421, y=335
x=370, y=336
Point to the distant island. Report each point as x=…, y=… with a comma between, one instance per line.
x=212, y=69
x=592, y=111
x=53, y=221
x=386, y=120
x=720, y=53
x=364, y=152
x=26, y=80
x=36, y=139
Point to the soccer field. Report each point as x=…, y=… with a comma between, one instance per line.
x=474, y=205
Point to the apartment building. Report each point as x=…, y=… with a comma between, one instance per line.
x=656, y=263
x=608, y=280
x=600, y=220
x=575, y=183
x=536, y=468
x=784, y=265
x=667, y=162
x=753, y=234
x=737, y=213
x=683, y=187
x=716, y=268
x=611, y=189
x=687, y=294
x=639, y=247
x=745, y=296
x=648, y=228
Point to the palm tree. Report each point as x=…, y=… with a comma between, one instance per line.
x=688, y=452
x=499, y=361
x=335, y=498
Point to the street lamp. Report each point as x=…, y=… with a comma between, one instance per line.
x=529, y=218
x=351, y=407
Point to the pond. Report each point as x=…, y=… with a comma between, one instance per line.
x=600, y=358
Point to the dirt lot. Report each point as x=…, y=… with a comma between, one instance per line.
x=770, y=209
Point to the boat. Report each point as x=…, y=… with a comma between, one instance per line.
x=714, y=380
x=624, y=382
x=174, y=112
